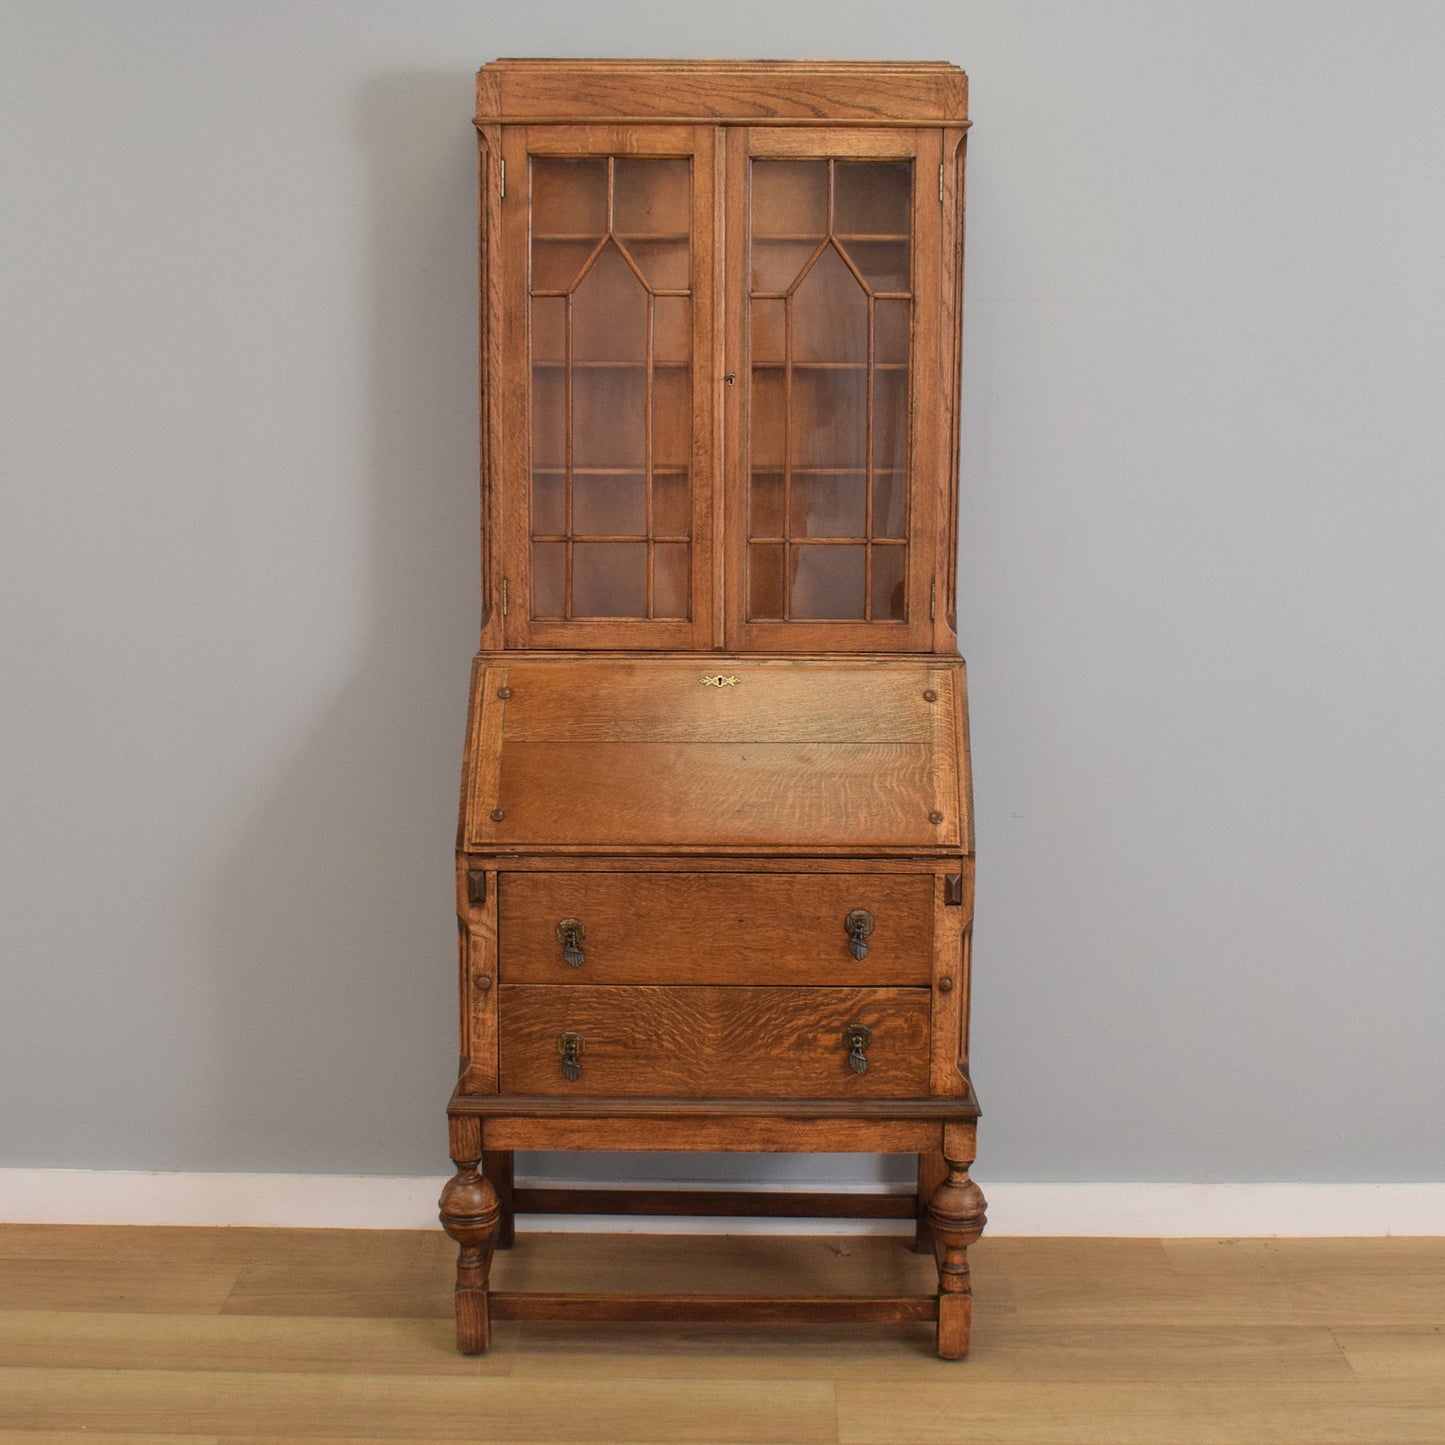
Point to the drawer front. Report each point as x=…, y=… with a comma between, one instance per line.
x=706, y=1042
x=700, y=928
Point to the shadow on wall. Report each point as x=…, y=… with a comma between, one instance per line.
x=334, y=910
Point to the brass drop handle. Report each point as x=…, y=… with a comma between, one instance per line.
x=856, y=1038
x=571, y=932
x=569, y=1045
x=858, y=925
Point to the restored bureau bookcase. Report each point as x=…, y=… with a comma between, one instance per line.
x=715, y=856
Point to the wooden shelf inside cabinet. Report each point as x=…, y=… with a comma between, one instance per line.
x=715, y=847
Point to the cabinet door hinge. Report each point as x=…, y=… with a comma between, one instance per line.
x=940, y=183
x=504, y=181
x=504, y=596
x=932, y=599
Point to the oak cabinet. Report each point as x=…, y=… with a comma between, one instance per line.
x=715, y=854
x=721, y=357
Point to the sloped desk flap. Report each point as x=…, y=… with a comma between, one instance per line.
x=568, y=754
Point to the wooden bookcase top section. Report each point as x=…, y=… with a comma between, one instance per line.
x=775, y=92
x=717, y=754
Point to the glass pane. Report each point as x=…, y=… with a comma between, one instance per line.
x=890, y=504
x=777, y=264
x=609, y=506
x=789, y=198
x=890, y=419
x=766, y=419
x=612, y=402
x=609, y=417
x=830, y=336
x=569, y=197
x=652, y=197
x=556, y=265
x=830, y=506
x=829, y=418
x=672, y=328
x=664, y=263
x=768, y=334
x=672, y=417
x=609, y=312
x=890, y=332
x=830, y=314
x=828, y=581
x=609, y=579
x=549, y=418
x=884, y=264
x=888, y=584
x=549, y=329
x=549, y=503
x=872, y=198
x=766, y=511
x=671, y=505
x=765, y=580
x=670, y=579
x=549, y=568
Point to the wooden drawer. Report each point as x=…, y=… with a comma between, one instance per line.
x=714, y=1042
x=694, y=928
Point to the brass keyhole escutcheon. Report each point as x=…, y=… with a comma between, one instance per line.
x=569, y=1045
x=571, y=933
x=856, y=1038
x=858, y=925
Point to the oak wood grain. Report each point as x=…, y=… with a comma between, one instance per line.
x=950, y=994
x=838, y=92
x=748, y=1041
x=750, y=1133
x=609, y=795
x=947, y=1113
x=582, y=699
x=684, y=928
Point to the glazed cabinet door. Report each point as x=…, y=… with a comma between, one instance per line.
x=835, y=406
x=609, y=386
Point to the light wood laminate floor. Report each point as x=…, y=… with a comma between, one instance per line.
x=111, y=1334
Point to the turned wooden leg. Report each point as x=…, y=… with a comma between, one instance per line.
x=497, y=1167
x=470, y=1213
x=956, y=1217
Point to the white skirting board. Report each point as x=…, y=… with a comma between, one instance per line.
x=339, y=1201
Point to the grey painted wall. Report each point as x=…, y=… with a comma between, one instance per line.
x=1201, y=561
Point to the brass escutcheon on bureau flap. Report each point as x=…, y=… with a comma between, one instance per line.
x=718, y=679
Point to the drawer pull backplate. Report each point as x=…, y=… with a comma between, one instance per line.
x=571, y=933
x=569, y=1045
x=856, y=1038
x=858, y=925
